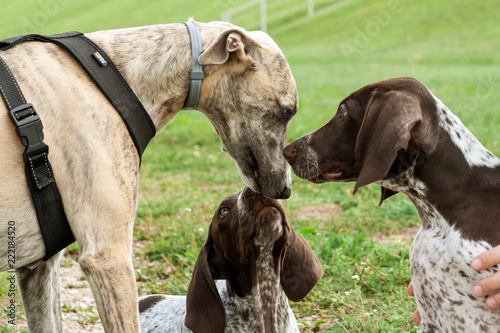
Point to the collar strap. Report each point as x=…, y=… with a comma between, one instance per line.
x=197, y=74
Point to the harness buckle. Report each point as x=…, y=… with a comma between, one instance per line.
x=30, y=129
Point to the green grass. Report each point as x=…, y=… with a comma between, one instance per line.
x=452, y=46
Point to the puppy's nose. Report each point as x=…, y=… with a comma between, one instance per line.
x=289, y=152
x=248, y=192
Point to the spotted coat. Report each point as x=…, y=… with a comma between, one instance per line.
x=397, y=134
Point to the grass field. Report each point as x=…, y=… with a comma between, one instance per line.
x=450, y=45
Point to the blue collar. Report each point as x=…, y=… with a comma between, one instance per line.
x=197, y=74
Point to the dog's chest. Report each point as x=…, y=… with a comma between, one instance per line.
x=443, y=281
x=266, y=309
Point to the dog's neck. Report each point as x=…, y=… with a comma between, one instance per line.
x=155, y=61
x=457, y=185
x=266, y=307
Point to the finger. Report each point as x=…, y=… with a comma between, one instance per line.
x=410, y=289
x=493, y=302
x=487, y=286
x=416, y=314
x=487, y=259
x=416, y=317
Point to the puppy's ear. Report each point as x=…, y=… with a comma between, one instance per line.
x=232, y=43
x=204, y=309
x=301, y=270
x=385, y=193
x=386, y=130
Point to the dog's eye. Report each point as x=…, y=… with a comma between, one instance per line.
x=288, y=114
x=223, y=211
x=341, y=111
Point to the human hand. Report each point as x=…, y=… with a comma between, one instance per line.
x=491, y=283
x=416, y=314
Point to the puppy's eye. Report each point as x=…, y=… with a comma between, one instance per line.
x=223, y=211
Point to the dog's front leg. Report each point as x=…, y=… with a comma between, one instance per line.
x=105, y=238
x=111, y=277
x=40, y=291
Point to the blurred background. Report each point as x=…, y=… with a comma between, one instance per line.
x=333, y=48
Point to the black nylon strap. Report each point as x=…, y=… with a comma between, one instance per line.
x=13, y=41
x=106, y=76
x=44, y=192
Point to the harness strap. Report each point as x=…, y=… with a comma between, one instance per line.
x=46, y=198
x=106, y=76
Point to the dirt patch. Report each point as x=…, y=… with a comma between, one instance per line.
x=318, y=212
x=403, y=237
x=79, y=308
x=79, y=311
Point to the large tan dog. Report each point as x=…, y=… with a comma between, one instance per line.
x=248, y=94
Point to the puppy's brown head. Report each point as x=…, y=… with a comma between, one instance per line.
x=373, y=136
x=245, y=226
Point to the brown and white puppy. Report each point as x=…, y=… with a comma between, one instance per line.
x=259, y=261
x=248, y=94
x=397, y=134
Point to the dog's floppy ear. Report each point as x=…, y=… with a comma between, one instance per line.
x=385, y=193
x=231, y=41
x=204, y=309
x=301, y=270
x=386, y=130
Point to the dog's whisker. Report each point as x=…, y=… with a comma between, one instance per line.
x=237, y=180
x=316, y=164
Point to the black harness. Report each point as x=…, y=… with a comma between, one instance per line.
x=45, y=194
x=48, y=204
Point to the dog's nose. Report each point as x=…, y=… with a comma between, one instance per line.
x=289, y=152
x=287, y=192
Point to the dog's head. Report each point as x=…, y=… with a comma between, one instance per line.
x=249, y=95
x=377, y=133
x=245, y=226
